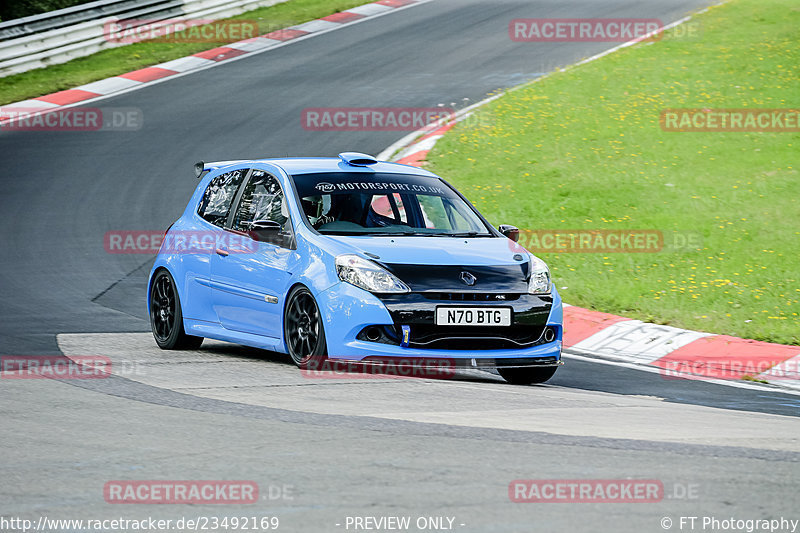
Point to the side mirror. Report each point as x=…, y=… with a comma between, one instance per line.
x=512, y=232
x=264, y=230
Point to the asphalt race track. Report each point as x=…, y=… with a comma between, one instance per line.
x=325, y=449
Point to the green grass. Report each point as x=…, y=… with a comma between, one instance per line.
x=115, y=61
x=582, y=148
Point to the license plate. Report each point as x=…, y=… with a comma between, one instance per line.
x=473, y=316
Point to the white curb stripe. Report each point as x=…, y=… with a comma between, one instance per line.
x=787, y=373
x=316, y=25
x=109, y=85
x=370, y=9
x=257, y=44
x=637, y=341
x=31, y=104
x=185, y=64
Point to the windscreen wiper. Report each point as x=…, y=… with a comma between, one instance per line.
x=465, y=234
x=398, y=233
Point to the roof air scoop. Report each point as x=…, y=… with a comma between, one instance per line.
x=357, y=159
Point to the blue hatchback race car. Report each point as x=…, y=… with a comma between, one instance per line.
x=351, y=259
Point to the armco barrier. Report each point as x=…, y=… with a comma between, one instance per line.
x=65, y=34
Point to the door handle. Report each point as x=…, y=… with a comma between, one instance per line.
x=222, y=252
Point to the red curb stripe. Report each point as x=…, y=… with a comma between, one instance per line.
x=439, y=131
x=396, y=3
x=726, y=357
x=285, y=35
x=148, y=74
x=250, y=40
x=220, y=54
x=343, y=17
x=580, y=323
x=414, y=159
x=70, y=96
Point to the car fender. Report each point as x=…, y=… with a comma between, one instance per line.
x=346, y=310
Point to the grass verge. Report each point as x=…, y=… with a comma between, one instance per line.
x=115, y=61
x=583, y=149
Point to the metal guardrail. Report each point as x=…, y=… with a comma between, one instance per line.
x=65, y=34
x=52, y=20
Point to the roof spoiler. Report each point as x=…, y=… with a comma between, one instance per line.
x=201, y=167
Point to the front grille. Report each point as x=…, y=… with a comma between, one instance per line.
x=527, y=361
x=470, y=296
x=429, y=336
x=418, y=311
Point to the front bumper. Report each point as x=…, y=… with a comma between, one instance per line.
x=348, y=310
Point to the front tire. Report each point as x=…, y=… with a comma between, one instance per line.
x=166, y=317
x=303, y=329
x=526, y=376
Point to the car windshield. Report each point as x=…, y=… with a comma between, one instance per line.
x=386, y=204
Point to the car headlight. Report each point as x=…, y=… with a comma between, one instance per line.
x=367, y=275
x=540, y=277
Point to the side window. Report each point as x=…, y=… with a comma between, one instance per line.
x=433, y=212
x=440, y=212
x=389, y=209
x=219, y=195
x=263, y=199
x=457, y=220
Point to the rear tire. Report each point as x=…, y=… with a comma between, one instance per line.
x=303, y=330
x=526, y=376
x=166, y=317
